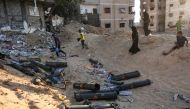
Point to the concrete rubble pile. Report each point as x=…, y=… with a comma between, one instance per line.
x=24, y=52
x=49, y=72
x=26, y=45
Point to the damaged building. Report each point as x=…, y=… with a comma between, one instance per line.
x=176, y=9
x=157, y=11
x=114, y=15
x=14, y=12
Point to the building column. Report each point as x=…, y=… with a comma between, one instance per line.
x=23, y=10
x=5, y=11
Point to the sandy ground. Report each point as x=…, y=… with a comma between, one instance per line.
x=17, y=92
x=169, y=74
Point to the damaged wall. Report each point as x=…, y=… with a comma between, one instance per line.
x=35, y=19
x=14, y=12
x=10, y=12
x=2, y=14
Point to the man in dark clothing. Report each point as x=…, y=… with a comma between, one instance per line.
x=146, y=21
x=48, y=23
x=180, y=42
x=57, y=48
x=135, y=38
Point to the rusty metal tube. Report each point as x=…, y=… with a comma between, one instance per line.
x=134, y=85
x=93, y=87
x=126, y=76
x=99, y=95
x=56, y=64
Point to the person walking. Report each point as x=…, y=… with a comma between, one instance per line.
x=135, y=38
x=57, y=48
x=146, y=21
x=82, y=39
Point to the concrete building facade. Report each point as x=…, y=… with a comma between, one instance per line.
x=114, y=15
x=176, y=9
x=157, y=11
x=14, y=12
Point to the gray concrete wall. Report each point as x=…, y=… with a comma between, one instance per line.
x=2, y=14
x=32, y=19
x=10, y=12
x=14, y=13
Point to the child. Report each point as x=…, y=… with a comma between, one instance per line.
x=180, y=42
x=82, y=39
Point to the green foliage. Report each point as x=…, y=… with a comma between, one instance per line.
x=68, y=9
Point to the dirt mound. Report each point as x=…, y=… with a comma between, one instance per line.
x=183, y=54
x=17, y=92
x=150, y=40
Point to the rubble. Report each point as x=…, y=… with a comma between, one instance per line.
x=25, y=45
x=56, y=74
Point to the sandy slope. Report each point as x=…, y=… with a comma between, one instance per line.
x=17, y=92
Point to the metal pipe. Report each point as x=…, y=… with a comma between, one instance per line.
x=41, y=65
x=27, y=71
x=126, y=76
x=93, y=87
x=114, y=82
x=56, y=64
x=100, y=95
x=134, y=85
x=106, y=106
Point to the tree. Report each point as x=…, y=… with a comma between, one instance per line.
x=69, y=9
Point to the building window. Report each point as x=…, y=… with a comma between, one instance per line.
x=152, y=24
x=122, y=10
x=108, y=25
x=171, y=5
x=170, y=14
x=159, y=7
x=152, y=17
x=107, y=10
x=95, y=11
x=131, y=23
x=122, y=25
x=131, y=10
x=182, y=2
x=152, y=8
